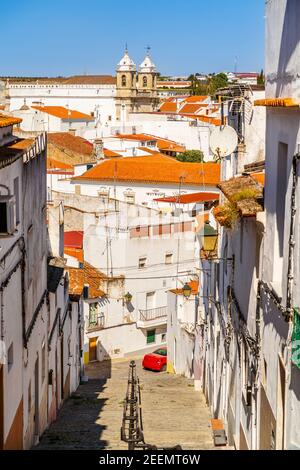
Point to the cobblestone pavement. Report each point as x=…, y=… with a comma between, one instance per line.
x=173, y=412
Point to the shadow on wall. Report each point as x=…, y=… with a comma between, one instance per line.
x=79, y=425
x=290, y=39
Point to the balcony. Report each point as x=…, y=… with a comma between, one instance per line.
x=152, y=317
x=96, y=325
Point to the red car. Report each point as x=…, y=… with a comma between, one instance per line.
x=157, y=360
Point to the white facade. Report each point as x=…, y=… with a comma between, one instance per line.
x=97, y=99
x=34, y=120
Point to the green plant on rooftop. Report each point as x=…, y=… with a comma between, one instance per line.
x=246, y=193
x=191, y=156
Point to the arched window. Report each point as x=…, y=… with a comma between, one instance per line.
x=123, y=80
x=145, y=82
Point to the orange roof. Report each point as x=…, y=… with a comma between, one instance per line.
x=278, y=102
x=259, y=177
x=190, y=198
x=76, y=253
x=64, y=113
x=154, y=169
x=66, y=140
x=137, y=137
x=190, y=108
x=6, y=121
x=168, y=107
x=208, y=119
x=196, y=99
x=87, y=275
x=110, y=154
x=194, y=286
x=55, y=164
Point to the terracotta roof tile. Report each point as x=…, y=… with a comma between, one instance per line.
x=245, y=193
x=153, y=169
x=6, y=121
x=64, y=113
x=78, y=277
x=75, y=253
x=196, y=98
x=55, y=164
x=190, y=108
x=71, y=142
x=190, y=198
x=168, y=107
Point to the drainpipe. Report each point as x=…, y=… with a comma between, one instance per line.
x=290, y=276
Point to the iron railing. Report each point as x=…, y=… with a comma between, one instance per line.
x=153, y=313
x=132, y=430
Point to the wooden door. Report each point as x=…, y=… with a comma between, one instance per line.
x=93, y=349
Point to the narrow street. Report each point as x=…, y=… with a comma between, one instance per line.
x=173, y=412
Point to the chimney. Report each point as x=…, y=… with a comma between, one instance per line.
x=98, y=153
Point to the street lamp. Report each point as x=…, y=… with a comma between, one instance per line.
x=209, y=239
x=186, y=290
x=128, y=297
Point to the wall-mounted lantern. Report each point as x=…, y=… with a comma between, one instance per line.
x=127, y=298
x=209, y=239
x=186, y=290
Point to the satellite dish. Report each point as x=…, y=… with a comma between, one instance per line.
x=223, y=141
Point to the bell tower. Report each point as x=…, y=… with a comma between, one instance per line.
x=126, y=86
x=147, y=85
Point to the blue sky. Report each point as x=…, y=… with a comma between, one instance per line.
x=64, y=37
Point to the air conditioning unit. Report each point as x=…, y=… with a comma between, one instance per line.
x=7, y=215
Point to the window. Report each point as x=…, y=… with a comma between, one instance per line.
x=129, y=198
x=142, y=262
x=150, y=300
x=150, y=336
x=169, y=258
x=17, y=199
x=145, y=82
x=93, y=314
x=7, y=215
x=123, y=80
x=163, y=337
x=10, y=357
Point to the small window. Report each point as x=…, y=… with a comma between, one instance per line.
x=93, y=314
x=10, y=357
x=145, y=82
x=142, y=262
x=150, y=336
x=164, y=338
x=169, y=258
x=7, y=215
x=124, y=80
x=109, y=118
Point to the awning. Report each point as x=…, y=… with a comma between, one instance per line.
x=278, y=102
x=190, y=198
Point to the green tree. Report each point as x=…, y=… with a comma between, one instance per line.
x=261, y=78
x=217, y=81
x=191, y=156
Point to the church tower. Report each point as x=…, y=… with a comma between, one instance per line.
x=147, y=85
x=126, y=87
